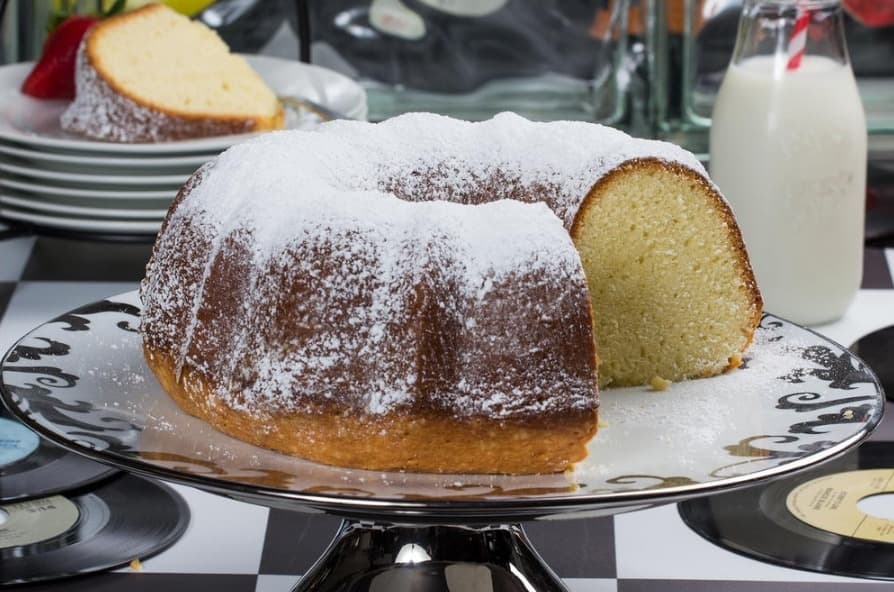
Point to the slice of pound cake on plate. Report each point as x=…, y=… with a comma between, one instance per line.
x=153, y=75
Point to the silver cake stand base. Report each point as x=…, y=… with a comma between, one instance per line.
x=367, y=556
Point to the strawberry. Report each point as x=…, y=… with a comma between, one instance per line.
x=53, y=75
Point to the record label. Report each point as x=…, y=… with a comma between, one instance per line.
x=814, y=520
x=108, y=525
x=37, y=520
x=16, y=442
x=830, y=503
x=31, y=467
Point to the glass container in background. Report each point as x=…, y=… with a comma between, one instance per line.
x=689, y=45
x=556, y=59
x=788, y=148
x=23, y=29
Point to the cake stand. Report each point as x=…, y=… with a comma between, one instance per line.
x=799, y=399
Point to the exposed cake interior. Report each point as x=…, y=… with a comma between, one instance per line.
x=191, y=71
x=665, y=272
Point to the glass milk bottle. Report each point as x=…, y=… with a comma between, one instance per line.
x=788, y=150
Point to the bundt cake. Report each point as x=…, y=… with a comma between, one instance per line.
x=152, y=75
x=399, y=295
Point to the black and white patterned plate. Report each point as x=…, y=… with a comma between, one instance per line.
x=81, y=381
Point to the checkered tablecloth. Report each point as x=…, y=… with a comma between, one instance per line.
x=233, y=546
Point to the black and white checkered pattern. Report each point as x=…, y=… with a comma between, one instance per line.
x=232, y=546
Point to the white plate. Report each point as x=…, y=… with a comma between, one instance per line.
x=64, y=177
x=39, y=206
x=35, y=123
x=66, y=222
x=128, y=204
x=64, y=161
x=142, y=181
x=116, y=194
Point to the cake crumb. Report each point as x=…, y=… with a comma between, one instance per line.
x=734, y=361
x=659, y=384
x=136, y=565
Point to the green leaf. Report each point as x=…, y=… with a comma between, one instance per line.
x=115, y=8
x=55, y=19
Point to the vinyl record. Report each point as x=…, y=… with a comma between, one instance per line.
x=809, y=521
x=105, y=526
x=32, y=467
x=877, y=350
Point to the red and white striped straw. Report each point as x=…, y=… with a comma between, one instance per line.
x=798, y=40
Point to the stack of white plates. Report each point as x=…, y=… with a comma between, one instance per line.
x=58, y=181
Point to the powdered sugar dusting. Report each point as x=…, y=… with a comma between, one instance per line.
x=346, y=286
x=305, y=258
x=424, y=157
x=698, y=414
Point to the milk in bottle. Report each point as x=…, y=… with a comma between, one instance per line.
x=788, y=150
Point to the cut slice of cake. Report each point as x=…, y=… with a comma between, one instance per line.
x=153, y=75
x=669, y=278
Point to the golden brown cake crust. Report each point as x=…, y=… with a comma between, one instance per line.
x=438, y=443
